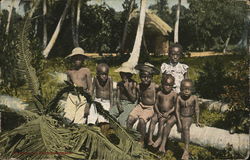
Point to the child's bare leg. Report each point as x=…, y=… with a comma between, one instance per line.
x=160, y=130
x=142, y=129
x=130, y=121
x=166, y=131
x=151, y=129
x=186, y=123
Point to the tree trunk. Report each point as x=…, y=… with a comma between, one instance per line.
x=9, y=17
x=227, y=42
x=176, y=26
x=45, y=33
x=125, y=31
x=134, y=57
x=78, y=13
x=211, y=137
x=57, y=30
x=73, y=25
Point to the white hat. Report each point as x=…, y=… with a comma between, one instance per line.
x=77, y=51
x=127, y=68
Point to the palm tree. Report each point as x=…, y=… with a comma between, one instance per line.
x=125, y=31
x=57, y=30
x=45, y=34
x=176, y=26
x=9, y=17
x=133, y=59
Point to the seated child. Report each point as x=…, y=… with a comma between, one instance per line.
x=176, y=69
x=103, y=93
x=147, y=93
x=164, y=110
x=76, y=105
x=126, y=94
x=186, y=106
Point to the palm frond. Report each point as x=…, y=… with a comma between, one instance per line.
x=24, y=57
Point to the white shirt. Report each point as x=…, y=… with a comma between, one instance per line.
x=176, y=71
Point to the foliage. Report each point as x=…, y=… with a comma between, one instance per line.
x=236, y=93
x=163, y=11
x=211, y=22
x=212, y=75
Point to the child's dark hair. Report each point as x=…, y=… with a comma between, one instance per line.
x=176, y=45
x=102, y=65
x=165, y=77
x=186, y=80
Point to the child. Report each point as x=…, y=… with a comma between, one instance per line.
x=103, y=93
x=76, y=105
x=186, y=106
x=126, y=94
x=176, y=69
x=164, y=109
x=147, y=93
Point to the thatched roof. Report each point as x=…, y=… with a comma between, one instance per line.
x=153, y=22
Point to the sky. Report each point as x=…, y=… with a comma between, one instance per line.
x=116, y=4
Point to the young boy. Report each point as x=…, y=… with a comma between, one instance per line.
x=76, y=105
x=176, y=69
x=126, y=94
x=164, y=109
x=103, y=93
x=186, y=106
x=147, y=93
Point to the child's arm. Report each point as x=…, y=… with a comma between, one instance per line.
x=156, y=107
x=131, y=92
x=197, y=111
x=118, y=100
x=89, y=82
x=177, y=112
x=111, y=95
x=173, y=108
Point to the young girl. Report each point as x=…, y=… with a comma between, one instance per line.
x=178, y=70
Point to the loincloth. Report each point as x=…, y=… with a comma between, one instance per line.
x=142, y=111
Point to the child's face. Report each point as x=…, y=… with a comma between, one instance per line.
x=103, y=73
x=186, y=89
x=146, y=77
x=175, y=55
x=125, y=76
x=77, y=61
x=167, y=86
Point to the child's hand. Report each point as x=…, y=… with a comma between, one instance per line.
x=120, y=109
x=198, y=124
x=166, y=115
x=179, y=128
x=160, y=115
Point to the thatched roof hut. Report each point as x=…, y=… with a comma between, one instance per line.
x=156, y=32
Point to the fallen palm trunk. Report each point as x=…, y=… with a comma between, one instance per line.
x=211, y=137
x=212, y=105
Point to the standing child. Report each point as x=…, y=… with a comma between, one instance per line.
x=126, y=94
x=103, y=93
x=76, y=106
x=186, y=106
x=147, y=93
x=175, y=68
x=164, y=111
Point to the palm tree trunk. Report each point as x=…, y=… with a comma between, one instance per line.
x=134, y=57
x=9, y=17
x=78, y=22
x=125, y=31
x=57, y=30
x=73, y=25
x=176, y=26
x=45, y=33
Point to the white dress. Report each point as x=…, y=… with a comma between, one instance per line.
x=176, y=71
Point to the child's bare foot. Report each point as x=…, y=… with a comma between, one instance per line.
x=162, y=149
x=150, y=142
x=157, y=143
x=185, y=155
